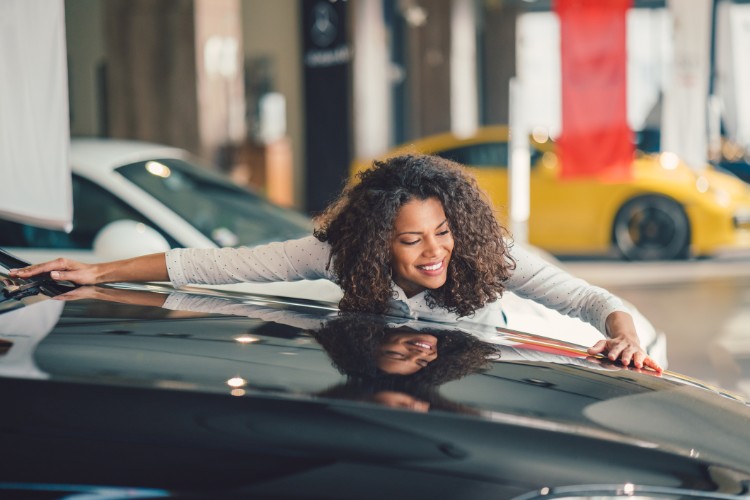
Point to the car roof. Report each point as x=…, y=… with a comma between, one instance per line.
x=96, y=154
x=264, y=373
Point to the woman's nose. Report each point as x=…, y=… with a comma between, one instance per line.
x=431, y=247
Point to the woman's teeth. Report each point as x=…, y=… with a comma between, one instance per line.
x=433, y=267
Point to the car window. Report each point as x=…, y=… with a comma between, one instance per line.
x=93, y=208
x=488, y=154
x=224, y=212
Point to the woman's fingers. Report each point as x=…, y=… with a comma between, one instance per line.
x=598, y=348
x=615, y=348
x=634, y=354
x=650, y=363
x=58, y=269
x=626, y=353
x=45, y=267
x=65, y=275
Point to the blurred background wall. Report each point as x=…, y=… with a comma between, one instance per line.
x=234, y=81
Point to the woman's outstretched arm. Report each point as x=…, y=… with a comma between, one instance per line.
x=151, y=267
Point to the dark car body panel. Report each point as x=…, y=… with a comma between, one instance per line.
x=132, y=396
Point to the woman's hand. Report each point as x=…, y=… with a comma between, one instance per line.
x=151, y=267
x=623, y=343
x=61, y=270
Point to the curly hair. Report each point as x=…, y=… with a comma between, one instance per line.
x=352, y=341
x=359, y=227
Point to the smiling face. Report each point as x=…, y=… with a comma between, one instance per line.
x=405, y=353
x=421, y=246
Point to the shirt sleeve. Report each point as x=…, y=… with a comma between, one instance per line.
x=536, y=279
x=293, y=260
x=178, y=301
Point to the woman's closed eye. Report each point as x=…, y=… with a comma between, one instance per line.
x=402, y=357
x=410, y=242
x=395, y=354
x=445, y=232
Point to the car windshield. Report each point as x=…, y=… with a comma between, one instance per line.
x=224, y=212
x=491, y=154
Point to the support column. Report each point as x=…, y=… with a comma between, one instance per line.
x=428, y=63
x=327, y=63
x=371, y=80
x=498, y=60
x=173, y=72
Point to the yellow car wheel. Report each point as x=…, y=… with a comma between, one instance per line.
x=652, y=228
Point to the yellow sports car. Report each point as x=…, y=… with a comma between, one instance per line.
x=665, y=211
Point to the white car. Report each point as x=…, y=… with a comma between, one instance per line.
x=133, y=198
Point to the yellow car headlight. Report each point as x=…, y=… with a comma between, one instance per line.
x=721, y=196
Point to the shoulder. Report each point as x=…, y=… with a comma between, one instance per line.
x=527, y=257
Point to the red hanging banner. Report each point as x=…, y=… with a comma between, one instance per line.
x=596, y=140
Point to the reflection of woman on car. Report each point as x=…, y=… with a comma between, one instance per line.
x=414, y=237
x=397, y=366
x=364, y=346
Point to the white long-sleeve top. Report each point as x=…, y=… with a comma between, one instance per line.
x=306, y=258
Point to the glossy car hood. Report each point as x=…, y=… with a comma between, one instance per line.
x=262, y=373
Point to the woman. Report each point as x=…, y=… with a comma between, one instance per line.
x=414, y=237
x=399, y=366
x=367, y=347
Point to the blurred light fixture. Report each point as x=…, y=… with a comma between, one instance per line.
x=549, y=159
x=237, y=392
x=414, y=14
x=220, y=56
x=669, y=160
x=246, y=339
x=158, y=169
x=236, y=382
x=176, y=384
x=731, y=151
x=396, y=73
x=540, y=134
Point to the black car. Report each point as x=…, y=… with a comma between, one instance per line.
x=141, y=391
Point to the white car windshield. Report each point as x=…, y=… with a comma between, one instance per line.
x=224, y=212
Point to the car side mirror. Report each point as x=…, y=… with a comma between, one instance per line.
x=126, y=238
